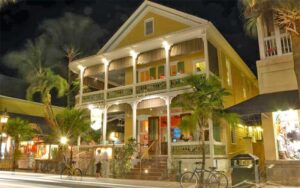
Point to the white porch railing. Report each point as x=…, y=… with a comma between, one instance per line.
x=271, y=47
x=93, y=96
x=286, y=43
x=119, y=92
x=150, y=87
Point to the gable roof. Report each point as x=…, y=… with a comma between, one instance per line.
x=144, y=8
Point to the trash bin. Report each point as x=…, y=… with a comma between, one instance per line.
x=245, y=167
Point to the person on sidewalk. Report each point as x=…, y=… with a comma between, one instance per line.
x=105, y=163
x=98, y=163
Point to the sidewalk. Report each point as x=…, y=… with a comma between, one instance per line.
x=130, y=183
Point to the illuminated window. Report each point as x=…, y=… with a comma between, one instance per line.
x=177, y=68
x=228, y=73
x=199, y=66
x=144, y=75
x=149, y=26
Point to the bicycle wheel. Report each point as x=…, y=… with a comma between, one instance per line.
x=212, y=181
x=222, y=179
x=65, y=174
x=189, y=179
x=77, y=174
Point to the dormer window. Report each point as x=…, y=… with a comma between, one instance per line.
x=149, y=26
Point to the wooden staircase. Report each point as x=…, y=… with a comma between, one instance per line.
x=154, y=168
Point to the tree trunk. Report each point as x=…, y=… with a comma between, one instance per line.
x=202, y=143
x=296, y=56
x=16, y=149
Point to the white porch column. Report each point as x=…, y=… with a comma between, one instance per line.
x=168, y=103
x=81, y=74
x=260, y=35
x=167, y=47
x=134, y=108
x=205, y=43
x=278, y=40
x=134, y=56
x=106, y=65
x=104, y=124
x=211, y=142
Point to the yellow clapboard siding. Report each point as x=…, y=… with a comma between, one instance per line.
x=162, y=26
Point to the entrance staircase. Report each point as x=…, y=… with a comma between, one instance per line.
x=153, y=168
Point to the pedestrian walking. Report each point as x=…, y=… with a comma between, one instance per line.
x=98, y=163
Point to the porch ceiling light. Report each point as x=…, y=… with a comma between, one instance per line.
x=105, y=61
x=133, y=53
x=166, y=45
x=81, y=68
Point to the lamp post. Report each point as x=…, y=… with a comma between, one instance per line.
x=3, y=119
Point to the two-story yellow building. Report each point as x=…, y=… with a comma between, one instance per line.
x=130, y=83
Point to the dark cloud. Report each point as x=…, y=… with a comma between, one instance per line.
x=20, y=22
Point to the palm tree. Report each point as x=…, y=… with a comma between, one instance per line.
x=19, y=130
x=34, y=63
x=286, y=14
x=72, y=123
x=75, y=36
x=205, y=102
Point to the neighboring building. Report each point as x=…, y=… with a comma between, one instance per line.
x=278, y=103
x=34, y=113
x=131, y=81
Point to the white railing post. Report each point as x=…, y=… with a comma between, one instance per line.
x=205, y=42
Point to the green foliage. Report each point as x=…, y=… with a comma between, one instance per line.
x=45, y=82
x=286, y=14
x=122, y=158
x=204, y=102
x=71, y=123
x=73, y=34
x=19, y=129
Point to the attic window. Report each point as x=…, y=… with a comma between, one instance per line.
x=148, y=26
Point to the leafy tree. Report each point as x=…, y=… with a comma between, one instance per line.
x=75, y=36
x=205, y=102
x=286, y=14
x=19, y=130
x=71, y=123
x=35, y=63
x=122, y=158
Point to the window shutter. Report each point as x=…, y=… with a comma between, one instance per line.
x=152, y=73
x=180, y=67
x=161, y=72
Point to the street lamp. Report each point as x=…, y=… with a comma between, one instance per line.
x=3, y=120
x=63, y=140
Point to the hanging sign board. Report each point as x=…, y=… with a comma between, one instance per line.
x=96, y=118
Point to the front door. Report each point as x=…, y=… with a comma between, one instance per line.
x=153, y=135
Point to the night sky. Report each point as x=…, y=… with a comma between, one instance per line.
x=20, y=21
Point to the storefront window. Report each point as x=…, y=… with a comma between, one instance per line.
x=287, y=129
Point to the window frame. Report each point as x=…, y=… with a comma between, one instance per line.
x=228, y=72
x=149, y=20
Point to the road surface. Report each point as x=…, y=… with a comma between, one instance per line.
x=32, y=180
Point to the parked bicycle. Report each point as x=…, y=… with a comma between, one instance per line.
x=199, y=177
x=70, y=171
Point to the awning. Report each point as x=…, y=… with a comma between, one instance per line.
x=270, y=102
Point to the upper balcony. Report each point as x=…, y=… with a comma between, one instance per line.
x=273, y=41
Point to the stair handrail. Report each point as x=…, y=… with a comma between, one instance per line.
x=144, y=154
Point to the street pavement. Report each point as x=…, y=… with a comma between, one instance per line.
x=10, y=179
x=36, y=180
